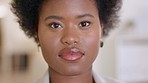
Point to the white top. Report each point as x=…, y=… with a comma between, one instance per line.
x=97, y=79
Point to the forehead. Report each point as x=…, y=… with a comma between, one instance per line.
x=69, y=1
x=69, y=6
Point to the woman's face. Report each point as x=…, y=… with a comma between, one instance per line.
x=69, y=34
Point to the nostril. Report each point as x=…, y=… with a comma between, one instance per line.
x=70, y=42
x=75, y=42
x=67, y=43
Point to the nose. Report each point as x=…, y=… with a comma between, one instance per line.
x=70, y=37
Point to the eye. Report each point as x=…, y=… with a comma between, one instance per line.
x=84, y=24
x=55, y=25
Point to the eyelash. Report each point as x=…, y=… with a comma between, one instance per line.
x=83, y=24
x=55, y=25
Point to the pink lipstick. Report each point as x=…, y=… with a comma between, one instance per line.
x=71, y=54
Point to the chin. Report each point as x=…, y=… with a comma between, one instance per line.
x=73, y=71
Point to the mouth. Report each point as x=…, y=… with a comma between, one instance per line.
x=71, y=54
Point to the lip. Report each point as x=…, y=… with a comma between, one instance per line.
x=71, y=54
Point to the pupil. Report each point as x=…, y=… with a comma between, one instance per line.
x=56, y=25
x=83, y=24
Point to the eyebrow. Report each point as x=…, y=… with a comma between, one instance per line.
x=53, y=17
x=85, y=15
x=60, y=17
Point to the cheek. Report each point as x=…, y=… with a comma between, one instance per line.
x=47, y=39
x=49, y=44
x=49, y=49
x=92, y=44
x=93, y=38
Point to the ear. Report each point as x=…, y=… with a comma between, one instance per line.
x=36, y=36
x=36, y=30
x=101, y=41
x=102, y=27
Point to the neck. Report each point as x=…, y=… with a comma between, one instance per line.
x=85, y=77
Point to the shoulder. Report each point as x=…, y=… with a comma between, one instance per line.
x=110, y=80
x=43, y=79
x=102, y=79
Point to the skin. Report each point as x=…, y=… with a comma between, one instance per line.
x=69, y=23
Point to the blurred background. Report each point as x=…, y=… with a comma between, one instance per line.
x=123, y=57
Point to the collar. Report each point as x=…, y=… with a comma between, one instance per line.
x=97, y=78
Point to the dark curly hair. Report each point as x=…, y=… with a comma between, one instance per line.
x=27, y=12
